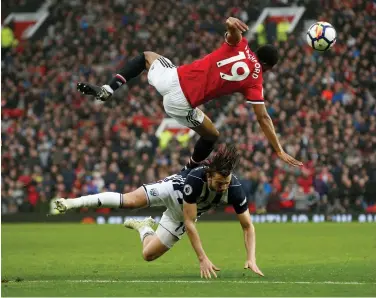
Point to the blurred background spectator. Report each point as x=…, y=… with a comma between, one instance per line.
x=56, y=143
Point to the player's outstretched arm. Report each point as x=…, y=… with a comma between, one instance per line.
x=250, y=241
x=206, y=266
x=235, y=28
x=267, y=127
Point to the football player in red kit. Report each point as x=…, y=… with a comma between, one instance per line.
x=231, y=68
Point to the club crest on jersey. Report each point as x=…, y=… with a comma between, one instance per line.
x=187, y=189
x=154, y=192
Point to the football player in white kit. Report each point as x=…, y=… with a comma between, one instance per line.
x=186, y=196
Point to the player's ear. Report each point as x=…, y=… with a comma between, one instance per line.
x=209, y=176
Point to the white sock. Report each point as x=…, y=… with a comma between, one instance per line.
x=105, y=199
x=145, y=231
x=108, y=88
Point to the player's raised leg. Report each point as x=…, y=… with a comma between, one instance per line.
x=132, y=69
x=132, y=200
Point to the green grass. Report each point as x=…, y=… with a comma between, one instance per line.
x=92, y=260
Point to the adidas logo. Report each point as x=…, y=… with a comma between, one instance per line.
x=99, y=203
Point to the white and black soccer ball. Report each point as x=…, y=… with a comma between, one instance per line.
x=321, y=36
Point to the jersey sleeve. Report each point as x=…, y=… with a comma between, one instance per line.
x=238, y=199
x=254, y=94
x=192, y=188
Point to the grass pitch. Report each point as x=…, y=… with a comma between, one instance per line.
x=324, y=259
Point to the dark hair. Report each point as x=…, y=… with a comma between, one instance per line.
x=267, y=54
x=223, y=162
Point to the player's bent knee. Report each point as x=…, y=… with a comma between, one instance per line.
x=148, y=256
x=207, y=130
x=213, y=136
x=216, y=135
x=207, y=134
x=150, y=57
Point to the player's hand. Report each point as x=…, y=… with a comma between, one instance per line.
x=207, y=268
x=289, y=159
x=236, y=24
x=252, y=265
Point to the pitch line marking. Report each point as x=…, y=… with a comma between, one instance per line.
x=200, y=281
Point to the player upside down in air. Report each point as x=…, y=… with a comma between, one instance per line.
x=231, y=68
x=186, y=196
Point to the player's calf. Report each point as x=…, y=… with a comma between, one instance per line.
x=153, y=248
x=133, y=68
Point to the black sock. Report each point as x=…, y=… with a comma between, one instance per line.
x=202, y=150
x=131, y=70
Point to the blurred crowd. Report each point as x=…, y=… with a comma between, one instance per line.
x=57, y=143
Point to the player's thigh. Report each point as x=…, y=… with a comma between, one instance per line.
x=199, y=122
x=169, y=231
x=150, y=57
x=135, y=199
x=162, y=75
x=177, y=106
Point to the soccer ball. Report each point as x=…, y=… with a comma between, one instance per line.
x=321, y=36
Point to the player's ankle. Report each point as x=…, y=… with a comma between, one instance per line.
x=145, y=232
x=108, y=88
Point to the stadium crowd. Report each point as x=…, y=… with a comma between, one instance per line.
x=57, y=143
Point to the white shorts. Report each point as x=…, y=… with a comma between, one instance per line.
x=163, y=75
x=171, y=226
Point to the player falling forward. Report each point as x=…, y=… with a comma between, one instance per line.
x=231, y=68
x=186, y=196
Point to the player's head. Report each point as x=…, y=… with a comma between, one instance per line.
x=268, y=56
x=220, y=167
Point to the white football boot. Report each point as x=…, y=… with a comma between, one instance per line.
x=61, y=205
x=137, y=224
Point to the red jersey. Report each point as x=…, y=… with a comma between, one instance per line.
x=227, y=70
